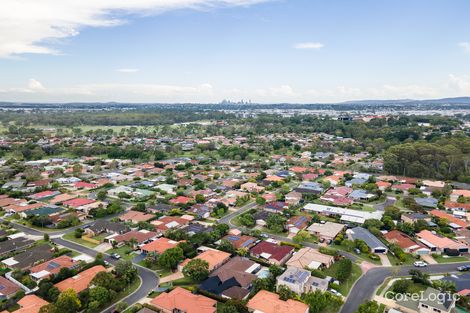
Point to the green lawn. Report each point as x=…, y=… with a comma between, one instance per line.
x=451, y=259
x=182, y=282
x=362, y=256
x=344, y=287
x=125, y=252
x=71, y=237
x=395, y=261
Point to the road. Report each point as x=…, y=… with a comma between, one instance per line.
x=368, y=283
x=388, y=202
x=149, y=280
x=366, y=286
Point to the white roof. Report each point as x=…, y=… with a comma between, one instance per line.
x=343, y=212
x=40, y=274
x=314, y=265
x=10, y=262
x=17, y=235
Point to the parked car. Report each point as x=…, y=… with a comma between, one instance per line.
x=115, y=256
x=420, y=264
x=357, y=251
x=463, y=268
x=335, y=292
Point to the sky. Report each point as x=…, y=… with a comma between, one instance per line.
x=205, y=51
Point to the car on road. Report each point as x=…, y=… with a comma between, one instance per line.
x=420, y=264
x=463, y=268
x=115, y=256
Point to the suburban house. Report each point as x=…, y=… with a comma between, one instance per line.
x=52, y=267
x=453, y=221
x=28, y=258
x=137, y=237
x=406, y=243
x=310, y=258
x=269, y=302
x=326, y=231
x=297, y=223
x=439, y=244
x=30, y=304
x=81, y=281
x=233, y=279
x=215, y=259
x=7, y=288
x=271, y=252
x=160, y=245
x=301, y=281
x=241, y=241
x=182, y=300
x=103, y=226
x=413, y=217
x=374, y=244
x=135, y=217
x=346, y=215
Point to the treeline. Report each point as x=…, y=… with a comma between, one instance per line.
x=108, y=118
x=444, y=158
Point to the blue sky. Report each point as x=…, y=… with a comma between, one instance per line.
x=300, y=51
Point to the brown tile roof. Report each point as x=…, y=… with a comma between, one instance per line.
x=184, y=301
x=268, y=302
x=81, y=281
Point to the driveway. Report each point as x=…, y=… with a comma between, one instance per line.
x=384, y=259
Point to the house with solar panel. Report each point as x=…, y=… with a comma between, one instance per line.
x=301, y=281
x=297, y=223
x=241, y=241
x=52, y=267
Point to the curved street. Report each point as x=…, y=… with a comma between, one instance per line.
x=149, y=280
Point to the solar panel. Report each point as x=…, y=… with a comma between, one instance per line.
x=246, y=243
x=233, y=238
x=302, y=275
x=2, y=287
x=53, y=265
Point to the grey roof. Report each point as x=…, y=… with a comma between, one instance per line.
x=16, y=244
x=364, y=235
x=427, y=202
x=295, y=275
x=442, y=302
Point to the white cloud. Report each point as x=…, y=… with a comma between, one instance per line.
x=29, y=26
x=35, y=85
x=127, y=70
x=465, y=46
x=34, y=91
x=309, y=45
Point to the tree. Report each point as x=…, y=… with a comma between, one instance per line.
x=171, y=257
x=67, y=302
x=78, y=233
x=125, y=270
x=196, y=269
x=247, y=220
x=276, y=223
x=369, y=307
x=106, y=280
x=226, y=245
x=200, y=198
x=402, y=286
x=344, y=269
x=285, y=293
x=260, y=200
x=121, y=306
x=46, y=237
x=318, y=301
x=301, y=236
x=419, y=277
x=100, y=295
x=233, y=306
x=101, y=195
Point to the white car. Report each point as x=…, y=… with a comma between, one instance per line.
x=420, y=264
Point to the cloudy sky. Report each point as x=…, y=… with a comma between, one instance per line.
x=300, y=51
